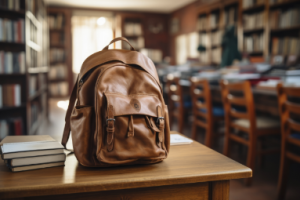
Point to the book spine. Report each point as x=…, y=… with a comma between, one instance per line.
x=1, y=95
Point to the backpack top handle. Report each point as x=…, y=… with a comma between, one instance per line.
x=118, y=39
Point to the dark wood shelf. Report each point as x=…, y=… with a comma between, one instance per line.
x=215, y=29
x=255, y=30
x=56, y=30
x=284, y=4
x=12, y=46
x=292, y=28
x=216, y=46
x=57, y=62
x=255, y=8
x=254, y=53
x=8, y=108
x=202, y=31
x=57, y=46
x=36, y=70
x=59, y=96
x=58, y=80
x=13, y=75
x=4, y=12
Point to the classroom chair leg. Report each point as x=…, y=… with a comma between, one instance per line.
x=251, y=158
x=283, y=174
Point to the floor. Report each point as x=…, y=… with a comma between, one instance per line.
x=264, y=178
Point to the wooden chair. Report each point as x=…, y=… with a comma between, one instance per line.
x=240, y=115
x=178, y=104
x=290, y=131
x=204, y=109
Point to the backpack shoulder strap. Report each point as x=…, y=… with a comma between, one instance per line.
x=67, y=129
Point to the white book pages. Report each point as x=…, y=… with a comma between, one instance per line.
x=30, y=146
x=177, y=139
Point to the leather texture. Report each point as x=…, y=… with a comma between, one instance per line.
x=117, y=114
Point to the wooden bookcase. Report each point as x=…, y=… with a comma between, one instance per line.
x=154, y=31
x=33, y=109
x=60, y=54
x=216, y=18
x=189, y=23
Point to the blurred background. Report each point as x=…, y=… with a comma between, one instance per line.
x=201, y=48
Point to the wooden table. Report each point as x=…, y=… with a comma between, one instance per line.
x=190, y=172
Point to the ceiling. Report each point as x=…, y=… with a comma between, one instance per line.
x=163, y=6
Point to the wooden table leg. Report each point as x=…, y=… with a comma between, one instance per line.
x=219, y=190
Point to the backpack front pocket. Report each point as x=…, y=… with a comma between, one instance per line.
x=134, y=129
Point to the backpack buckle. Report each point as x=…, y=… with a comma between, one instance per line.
x=110, y=119
x=157, y=121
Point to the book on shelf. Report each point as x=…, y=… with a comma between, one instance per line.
x=10, y=95
x=154, y=54
x=10, y=4
x=133, y=29
x=137, y=43
x=22, y=153
x=285, y=46
x=216, y=37
x=253, y=21
x=254, y=43
x=203, y=57
x=216, y=55
x=203, y=39
x=12, y=126
x=11, y=62
x=57, y=38
x=12, y=30
x=230, y=16
x=35, y=112
x=32, y=84
x=285, y=18
x=56, y=21
x=42, y=80
x=201, y=23
x=58, y=71
x=56, y=55
x=214, y=20
x=251, y=3
x=58, y=89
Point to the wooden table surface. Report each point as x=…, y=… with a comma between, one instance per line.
x=186, y=164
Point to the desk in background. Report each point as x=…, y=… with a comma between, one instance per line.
x=190, y=172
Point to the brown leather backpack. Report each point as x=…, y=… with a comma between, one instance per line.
x=116, y=112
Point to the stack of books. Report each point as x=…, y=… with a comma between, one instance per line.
x=22, y=153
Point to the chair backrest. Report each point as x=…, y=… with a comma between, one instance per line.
x=200, y=90
x=289, y=108
x=175, y=94
x=237, y=96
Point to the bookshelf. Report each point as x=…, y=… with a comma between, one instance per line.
x=60, y=71
x=147, y=33
x=212, y=21
x=23, y=67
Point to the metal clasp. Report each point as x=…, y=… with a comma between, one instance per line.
x=157, y=121
x=110, y=119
